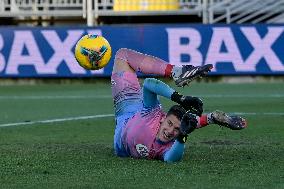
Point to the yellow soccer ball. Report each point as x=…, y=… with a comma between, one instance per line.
x=92, y=52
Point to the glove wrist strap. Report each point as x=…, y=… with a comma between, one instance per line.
x=176, y=97
x=182, y=138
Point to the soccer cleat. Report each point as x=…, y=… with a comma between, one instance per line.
x=232, y=122
x=190, y=73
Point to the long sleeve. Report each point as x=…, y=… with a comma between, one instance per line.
x=175, y=153
x=152, y=88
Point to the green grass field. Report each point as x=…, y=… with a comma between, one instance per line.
x=46, y=140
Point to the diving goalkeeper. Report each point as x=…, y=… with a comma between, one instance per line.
x=143, y=129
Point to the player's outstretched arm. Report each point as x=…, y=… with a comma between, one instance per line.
x=175, y=153
x=153, y=87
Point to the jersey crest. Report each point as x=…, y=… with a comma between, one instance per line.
x=142, y=150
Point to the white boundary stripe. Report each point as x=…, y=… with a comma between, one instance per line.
x=243, y=96
x=56, y=120
x=111, y=115
x=259, y=113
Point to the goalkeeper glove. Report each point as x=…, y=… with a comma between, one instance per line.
x=189, y=103
x=188, y=124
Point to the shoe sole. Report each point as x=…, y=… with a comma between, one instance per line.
x=223, y=119
x=202, y=72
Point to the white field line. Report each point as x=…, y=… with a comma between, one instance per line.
x=243, y=96
x=259, y=113
x=56, y=120
x=17, y=97
x=111, y=115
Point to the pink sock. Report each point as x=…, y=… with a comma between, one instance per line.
x=145, y=63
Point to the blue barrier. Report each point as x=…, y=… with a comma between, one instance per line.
x=232, y=49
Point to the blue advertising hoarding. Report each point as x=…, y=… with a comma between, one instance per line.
x=232, y=49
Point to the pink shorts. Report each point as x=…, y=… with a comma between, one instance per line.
x=126, y=93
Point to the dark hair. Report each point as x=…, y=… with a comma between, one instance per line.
x=176, y=110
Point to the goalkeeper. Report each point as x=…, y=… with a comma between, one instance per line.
x=143, y=129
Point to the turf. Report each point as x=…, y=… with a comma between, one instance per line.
x=79, y=154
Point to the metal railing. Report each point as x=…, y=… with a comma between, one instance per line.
x=276, y=19
x=62, y=8
x=246, y=11
x=11, y=8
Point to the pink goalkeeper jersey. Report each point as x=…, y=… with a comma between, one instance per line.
x=139, y=134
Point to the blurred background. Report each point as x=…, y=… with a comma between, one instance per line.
x=56, y=118
x=239, y=37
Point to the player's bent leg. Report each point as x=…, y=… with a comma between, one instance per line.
x=147, y=64
x=126, y=92
x=230, y=121
x=144, y=63
x=121, y=66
